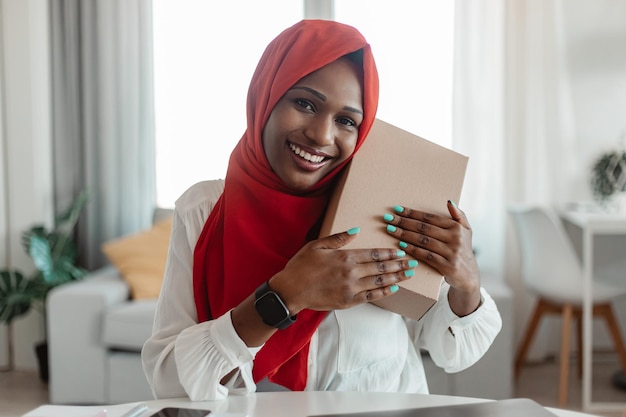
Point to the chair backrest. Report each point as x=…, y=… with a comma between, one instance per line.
x=550, y=265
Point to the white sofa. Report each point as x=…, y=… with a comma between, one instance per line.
x=96, y=334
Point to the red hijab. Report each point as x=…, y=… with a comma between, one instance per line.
x=257, y=225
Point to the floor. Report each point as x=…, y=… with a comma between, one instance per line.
x=21, y=391
x=540, y=383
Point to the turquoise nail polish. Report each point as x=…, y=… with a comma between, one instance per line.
x=388, y=217
x=453, y=203
x=391, y=228
x=409, y=273
x=400, y=253
x=354, y=231
x=394, y=288
x=412, y=263
x=403, y=245
x=398, y=209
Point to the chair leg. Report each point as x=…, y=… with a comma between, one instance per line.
x=565, y=352
x=606, y=311
x=529, y=334
x=579, y=341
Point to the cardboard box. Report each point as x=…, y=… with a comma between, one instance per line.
x=396, y=167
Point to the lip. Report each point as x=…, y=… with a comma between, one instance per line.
x=311, y=160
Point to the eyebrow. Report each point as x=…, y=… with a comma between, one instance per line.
x=323, y=98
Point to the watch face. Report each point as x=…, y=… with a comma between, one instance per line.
x=271, y=308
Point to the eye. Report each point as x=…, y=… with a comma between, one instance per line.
x=305, y=104
x=346, y=121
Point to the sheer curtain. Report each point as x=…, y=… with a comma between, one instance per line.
x=414, y=55
x=103, y=116
x=512, y=116
x=478, y=122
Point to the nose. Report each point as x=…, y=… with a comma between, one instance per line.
x=321, y=130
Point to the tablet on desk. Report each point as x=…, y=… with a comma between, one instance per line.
x=181, y=412
x=514, y=407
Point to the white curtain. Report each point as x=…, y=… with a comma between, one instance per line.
x=478, y=122
x=103, y=116
x=513, y=117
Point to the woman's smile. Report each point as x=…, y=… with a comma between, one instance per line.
x=308, y=158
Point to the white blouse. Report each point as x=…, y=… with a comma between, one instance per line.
x=364, y=348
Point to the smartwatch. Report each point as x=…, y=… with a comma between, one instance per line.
x=271, y=308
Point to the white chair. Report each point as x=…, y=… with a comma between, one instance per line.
x=552, y=271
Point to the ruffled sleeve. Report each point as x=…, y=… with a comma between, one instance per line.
x=456, y=343
x=206, y=352
x=184, y=357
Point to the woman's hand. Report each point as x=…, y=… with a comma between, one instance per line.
x=322, y=276
x=444, y=243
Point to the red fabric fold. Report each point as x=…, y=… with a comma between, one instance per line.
x=257, y=224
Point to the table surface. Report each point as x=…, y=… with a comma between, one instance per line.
x=603, y=223
x=311, y=403
x=283, y=404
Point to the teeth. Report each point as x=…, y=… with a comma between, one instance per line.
x=311, y=158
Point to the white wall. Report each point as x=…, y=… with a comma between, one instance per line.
x=25, y=151
x=596, y=35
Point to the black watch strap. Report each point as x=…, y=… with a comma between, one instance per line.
x=271, y=308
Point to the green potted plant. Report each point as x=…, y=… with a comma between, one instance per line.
x=608, y=176
x=54, y=255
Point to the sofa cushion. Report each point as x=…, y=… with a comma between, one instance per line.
x=128, y=325
x=141, y=258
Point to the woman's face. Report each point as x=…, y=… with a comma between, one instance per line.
x=314, y=127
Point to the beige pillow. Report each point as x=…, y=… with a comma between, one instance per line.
x=141, y=258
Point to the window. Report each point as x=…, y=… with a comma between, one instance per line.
x=205, y=54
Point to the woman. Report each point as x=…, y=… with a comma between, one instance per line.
x=250, y=292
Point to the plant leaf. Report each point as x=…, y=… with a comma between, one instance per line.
x=54, y=255
x=41, y=254
x=15, y=295
x=70, y=215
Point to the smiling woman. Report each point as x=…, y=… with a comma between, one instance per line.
x=252, y=294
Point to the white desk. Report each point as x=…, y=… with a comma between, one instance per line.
x=592, y=224
x=285, y=404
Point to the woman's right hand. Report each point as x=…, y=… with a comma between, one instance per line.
x=323, y=276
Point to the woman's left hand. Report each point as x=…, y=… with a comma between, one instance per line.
x=444, y=243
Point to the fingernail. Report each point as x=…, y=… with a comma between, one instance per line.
x=453, y=203
x=412, y=263
x=398, y=209
x=409, y=273
x=391, y=228
x=394, y=288
x=388, y=217
x=403, y=245
x=400, y=254
x=354, y=231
